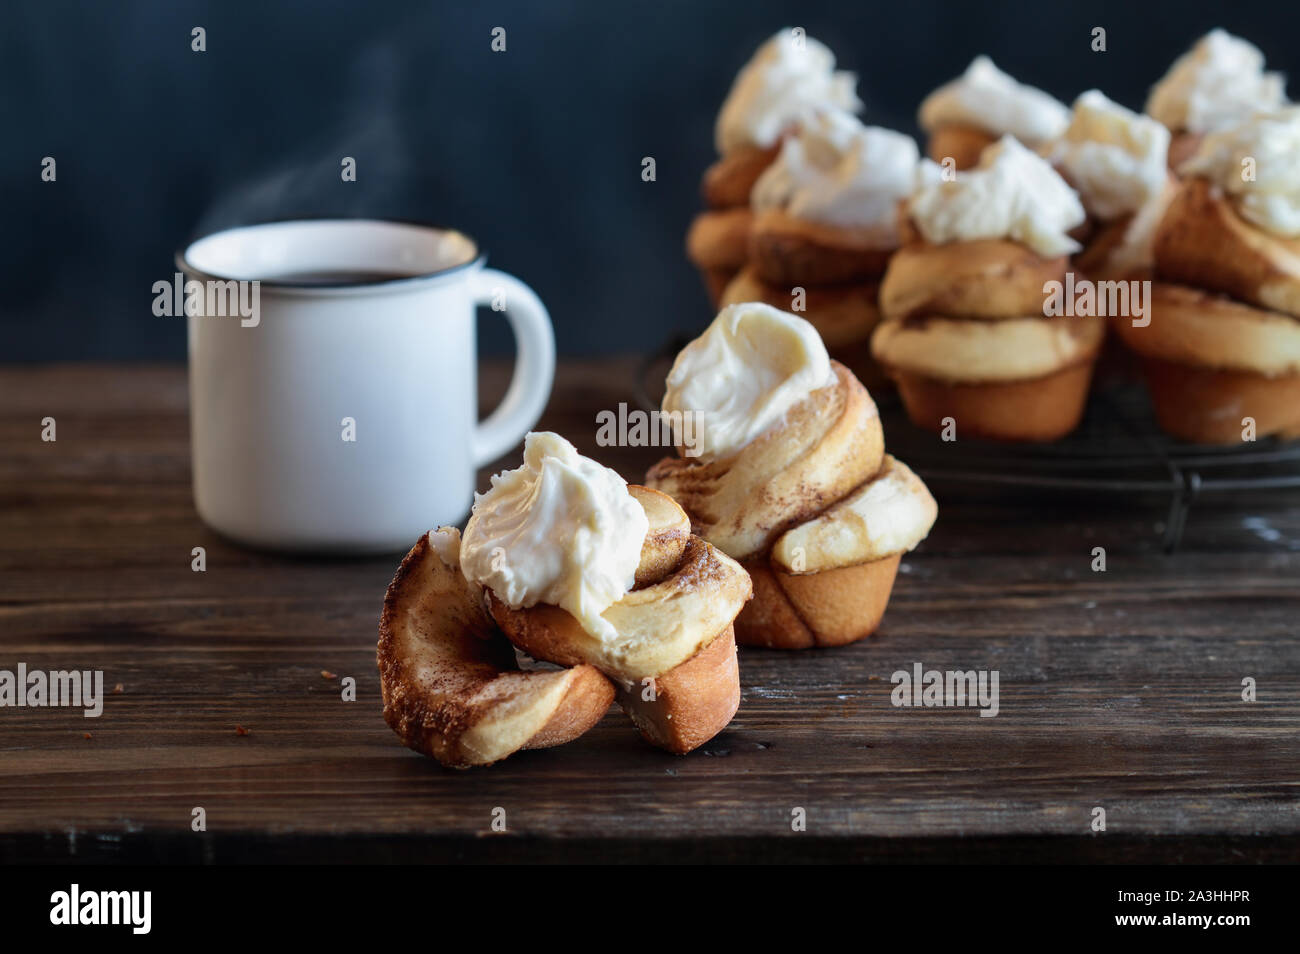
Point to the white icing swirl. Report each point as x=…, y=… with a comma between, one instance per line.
x=1257, y=163
x=1012, y=193
x=561, y=529
x=789, y=75
x=837, y=171
x=742, y=375
x=989, y=99
x=1214, y=84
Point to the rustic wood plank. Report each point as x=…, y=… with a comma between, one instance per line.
x=1119, y=689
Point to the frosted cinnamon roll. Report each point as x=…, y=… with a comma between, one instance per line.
x=1221, y=345
x=967, y=115
x=1117, y=161
x=1213, y=85
x=580, y=569
x=791, y=478
x=966, y=333
x=789, y=76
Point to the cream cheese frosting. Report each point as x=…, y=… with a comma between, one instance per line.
x=989, y=99
x=889, y=514
x=1012, y=193
x=1213, y=84
x=789, y=75
x=561, y=529
x=1256, y=162
x=752, y=364
x=1115, y=158
x=839, y=172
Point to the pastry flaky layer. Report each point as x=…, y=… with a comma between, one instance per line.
x=1192, y=326
x=672, y=652
x=1203, y=242
x=1215, y=365
x=985, y=278
x=962, y=351
x=790, y=251
x=965, y=339
x=451, y=687
x=889, y=514
x=972, y=312
x=817, y=514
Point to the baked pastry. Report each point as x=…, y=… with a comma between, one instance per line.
x=967, y=115
x=1217, y=82
x=581, y=569
x=826, y=221
x=965, y=334
x=789, y=75
x=450, y=683
x=1223, y=343
x=788, y=475
x=1117, y=161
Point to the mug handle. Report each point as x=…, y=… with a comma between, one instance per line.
x=530, y=385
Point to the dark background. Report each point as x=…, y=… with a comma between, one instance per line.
x=535, y=151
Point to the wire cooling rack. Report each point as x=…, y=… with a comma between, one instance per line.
x=1117, y=448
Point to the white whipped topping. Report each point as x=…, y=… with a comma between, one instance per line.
x=1115, y=158
x=561, y=529
x=989, y=99
x=744, y=373
x=1012, y=193
x=1215, y=83
x=790, y=74
x=837, y=171
x=1257, y=163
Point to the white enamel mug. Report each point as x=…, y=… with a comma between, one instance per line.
x=342, y=418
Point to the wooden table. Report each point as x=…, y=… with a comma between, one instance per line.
x=1119, y=690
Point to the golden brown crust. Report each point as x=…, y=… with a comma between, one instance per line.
x=1203, y=242
x=727, y=183
x=983, y=279
x=666, y=538
x=828, y=445
x=691, y=703
x=675, y=657
x=1040, y=409
x=963, y=143
x=720, y=238
x=448, y=678
x=828, y=608
x=788, y=251
x=659, y=625
x=1190, y=326
x=1208, y=405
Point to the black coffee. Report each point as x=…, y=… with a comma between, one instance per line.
x=337, y=276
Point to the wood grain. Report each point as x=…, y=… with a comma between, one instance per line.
x=1119, y=689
